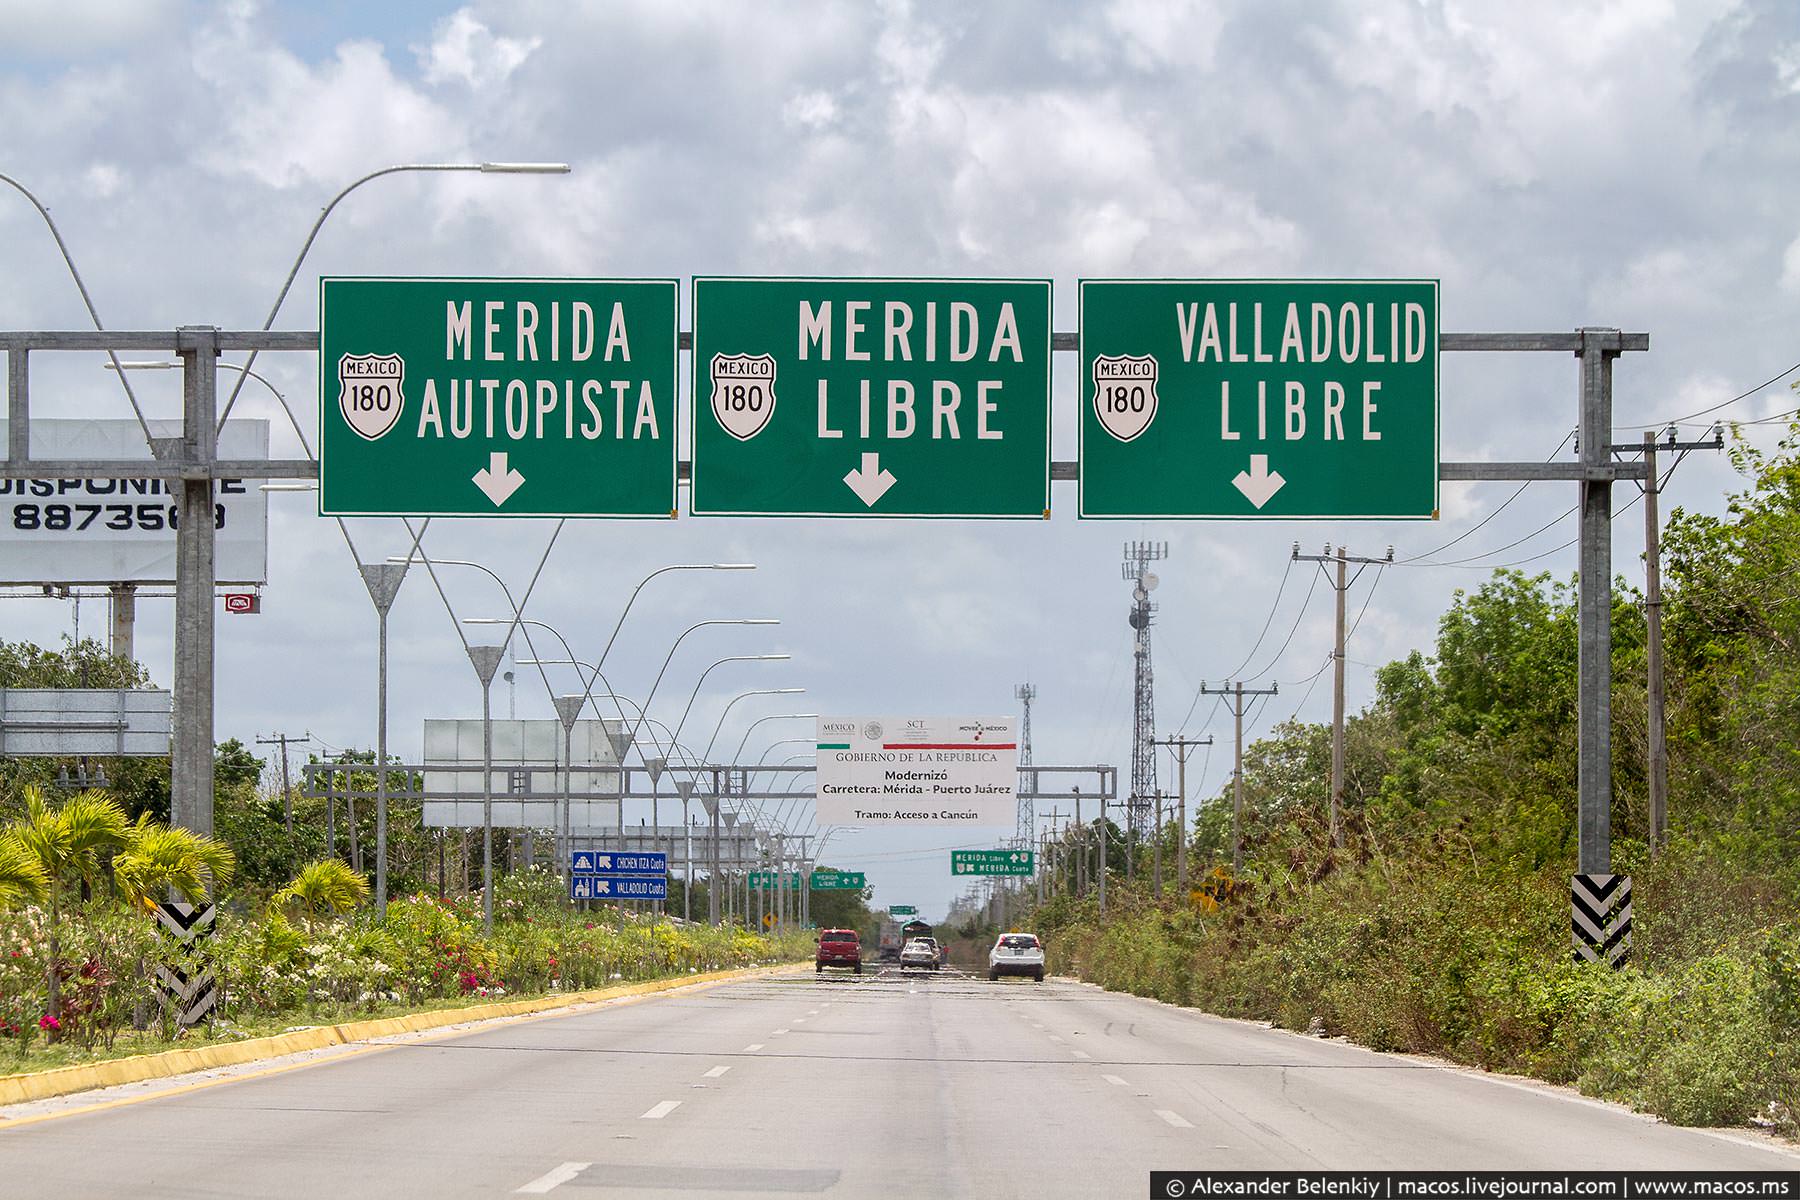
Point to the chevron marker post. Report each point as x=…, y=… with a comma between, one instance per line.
x=1600, y=918
x=187, y=989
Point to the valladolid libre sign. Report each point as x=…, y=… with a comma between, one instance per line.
x=1259, y=398
x=917, y=771
x=871, y=397
x=497, y=397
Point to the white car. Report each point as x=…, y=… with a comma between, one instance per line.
x=920, y=952
x=1017, y=954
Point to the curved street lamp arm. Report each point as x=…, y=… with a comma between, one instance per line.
x=81, y=286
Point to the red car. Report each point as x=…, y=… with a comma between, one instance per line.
x=838, y=948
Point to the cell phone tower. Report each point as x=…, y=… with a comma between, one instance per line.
x=1136, y=569
x=1025, y=828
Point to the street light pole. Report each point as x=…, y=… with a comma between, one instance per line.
x=486, y=660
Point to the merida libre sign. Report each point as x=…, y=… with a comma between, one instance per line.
x=1275, y=399
x=497, y=397
x=871, y=397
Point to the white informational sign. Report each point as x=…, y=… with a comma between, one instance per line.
x=123, y=530
x=917, y=771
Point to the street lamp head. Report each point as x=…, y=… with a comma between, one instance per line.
x=524, y=168
x=755, y=621
x=732, y=567
x=287, y=487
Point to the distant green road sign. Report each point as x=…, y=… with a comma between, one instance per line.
x=768, y=881
x=839, y=881
x=871, y=397
x=1274, y=399
x=497, y=397
x=903, y=910
x=991, y=862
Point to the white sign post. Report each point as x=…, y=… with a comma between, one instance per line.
x=917, y=771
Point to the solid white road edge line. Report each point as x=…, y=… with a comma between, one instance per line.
x=1174, y=1118
x=662, y=1110
x=551, y=1179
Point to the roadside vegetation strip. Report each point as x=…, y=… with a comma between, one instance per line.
x=62, y=1081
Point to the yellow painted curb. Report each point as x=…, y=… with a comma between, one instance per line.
x=60, y=1081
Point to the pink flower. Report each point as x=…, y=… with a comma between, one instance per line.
x=49, y=1022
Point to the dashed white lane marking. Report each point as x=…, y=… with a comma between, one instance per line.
x=1056, y=1039
x=666, y=1107
x=753, y=1047
x=716, y=1072
x=799, y=1020
x=1115, y=1081
x=551, y=1179
x=778, y=1032
x=1080, y=1054
x=812, y=1012
x=1174, y=1118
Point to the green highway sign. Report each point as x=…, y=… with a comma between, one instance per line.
x=991, y=862
x=871, y=397
x=903, y=910
x=1274, y=399
x=839, y=881
x=768, y=881
x=497, y=397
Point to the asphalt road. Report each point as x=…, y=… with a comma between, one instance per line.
x=875, y=1086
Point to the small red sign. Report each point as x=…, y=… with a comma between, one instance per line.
x=243, y=602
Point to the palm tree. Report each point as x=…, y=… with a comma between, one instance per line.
x=22, y=877
x=325, y=885
x=156, y=859
x=71, y=841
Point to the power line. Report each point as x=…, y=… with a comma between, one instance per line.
x=1722, y=404
x=1516, y=494
x=1287, y=569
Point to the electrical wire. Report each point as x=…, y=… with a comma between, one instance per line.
x=1716, y=407
x=1516, y=494
x=1267, y=621
x=1298, y=617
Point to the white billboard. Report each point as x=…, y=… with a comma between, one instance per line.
x=917, y=771
x=123, y=530
x=64, y=722
x=527, y=779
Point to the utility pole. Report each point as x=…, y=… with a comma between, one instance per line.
x=1043, y=866
x=287, y=792
x=1341, y=585
x=1237, y=691
x=1136, y=570
x=1180, y=746
x=1653, y=604
x=1156, y=866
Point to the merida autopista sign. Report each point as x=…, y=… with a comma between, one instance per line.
x=871, y=397
x=1259, y=398
x=916, y=771
x=497, y=397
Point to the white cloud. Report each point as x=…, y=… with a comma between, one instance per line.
x=466, y=51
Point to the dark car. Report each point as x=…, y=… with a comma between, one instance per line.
x=838, y=948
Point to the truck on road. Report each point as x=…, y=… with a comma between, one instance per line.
x=888, y=941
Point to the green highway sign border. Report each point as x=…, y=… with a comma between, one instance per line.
x=328, y=406
x=696, y=361
x=1084, y=401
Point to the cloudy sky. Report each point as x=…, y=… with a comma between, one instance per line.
x=1554, y=164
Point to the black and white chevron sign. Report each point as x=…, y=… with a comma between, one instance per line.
x=188, y=998
x=188, y=992
x=1600, y=918
x=184, y=922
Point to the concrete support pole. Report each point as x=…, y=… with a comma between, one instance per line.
x=123, y=602
x=1653, y=649
x=486, y=660
x=1594, y=602
x=191, y=748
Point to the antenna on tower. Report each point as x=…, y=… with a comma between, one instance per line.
x=1025, y=827
x=1136, y=570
